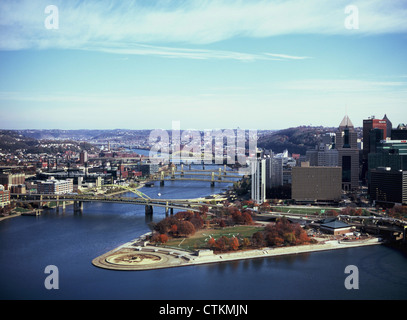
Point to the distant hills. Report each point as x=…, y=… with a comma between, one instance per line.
x=295, y=140
x=16, y=140
x=11, y=141
x=85, y=135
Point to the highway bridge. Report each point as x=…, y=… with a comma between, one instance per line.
x=179, y=174
x=79, y=199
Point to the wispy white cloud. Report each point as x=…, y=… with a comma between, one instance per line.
x=285, y=56
x=342, y=85
x=199, y=54
x=152, y=27
x=290, y=103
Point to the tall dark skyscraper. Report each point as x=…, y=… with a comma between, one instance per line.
x=348, y=154
x=374, y=130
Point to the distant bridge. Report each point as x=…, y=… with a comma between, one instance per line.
x=79, y=199
x=178, y=174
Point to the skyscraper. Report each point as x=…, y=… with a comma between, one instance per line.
x=374, y=130
x=348, y=154
x=388, y=186
x=274, y=171
x=258, y=179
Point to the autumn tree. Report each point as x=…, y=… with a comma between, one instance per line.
x=234, y=243
x=246, y=243
x=174, y=230
x=163, y=238
x=186, y=228
x=222, y=223
x=222, y=244
x=165, y=225
x=211, y=242
x=258, y=239
x=197, y=221
x=247, y=218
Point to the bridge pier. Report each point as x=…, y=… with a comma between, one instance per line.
x=166, y=209
x=172, y=173
x=162, y=178
x=78, y=206
x=41, y=203
x=149, y=210
x=57, y=204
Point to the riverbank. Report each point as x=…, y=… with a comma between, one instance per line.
x=137, y=255
x=13, y=215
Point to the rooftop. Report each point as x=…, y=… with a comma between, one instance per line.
x=346, y=122
x=335, y=225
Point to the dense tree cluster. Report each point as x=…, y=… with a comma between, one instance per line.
x=224, y=244
x=285, y=233
x=398, y=212
x=231, y=216
x=184, y=223
x=282, y=233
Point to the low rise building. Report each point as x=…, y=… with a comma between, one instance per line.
x=336, y=227
x=4, y=196
x=52, y=186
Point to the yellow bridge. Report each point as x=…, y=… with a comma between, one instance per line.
x=175, y=174
x=142, y=199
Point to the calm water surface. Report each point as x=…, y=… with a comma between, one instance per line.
x=70, y=242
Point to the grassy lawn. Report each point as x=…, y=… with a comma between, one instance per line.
x=21, y=210
x=200, y=238
x=309, y=211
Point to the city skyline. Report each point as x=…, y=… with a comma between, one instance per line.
x=208, y=64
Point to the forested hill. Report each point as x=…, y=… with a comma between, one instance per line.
x=12, y=141
x=295, y=140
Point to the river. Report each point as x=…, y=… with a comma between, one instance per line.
x=70, y=241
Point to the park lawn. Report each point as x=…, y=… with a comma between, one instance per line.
x=294, y=210
x=200, y=238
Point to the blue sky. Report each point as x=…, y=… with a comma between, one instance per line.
x=208, y=64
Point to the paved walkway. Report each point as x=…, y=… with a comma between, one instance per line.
x=134, y=256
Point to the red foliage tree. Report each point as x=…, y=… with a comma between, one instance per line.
x=234, y=243
x=222, y=244
x=186, y=228
x=174, y=230
x=247, y=218
x=258, y=239
x=211, y=242
x=163, y=238
x=222, y=223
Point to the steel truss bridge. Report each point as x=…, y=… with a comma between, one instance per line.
x=178, y=174
x=142, y=199
x=92, y=195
